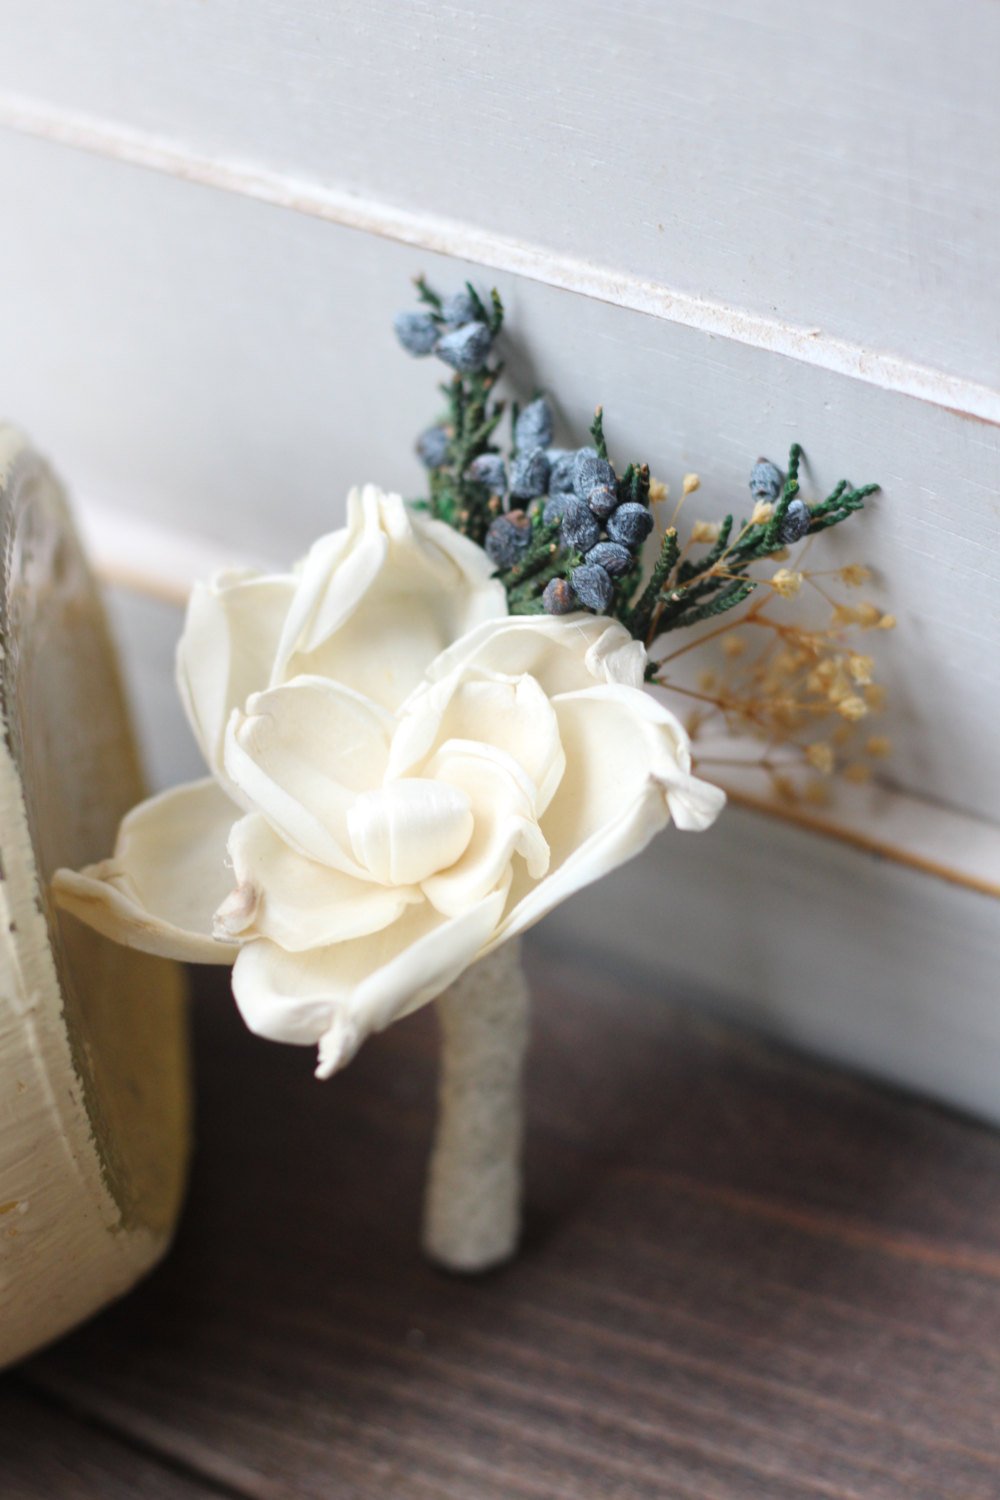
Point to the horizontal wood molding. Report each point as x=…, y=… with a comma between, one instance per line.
x=498, y=252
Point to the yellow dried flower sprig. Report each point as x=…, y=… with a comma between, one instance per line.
x=805, y=691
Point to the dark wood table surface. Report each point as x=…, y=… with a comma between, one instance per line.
x=744, y=1275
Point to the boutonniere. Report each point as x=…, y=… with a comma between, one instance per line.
x=449, y=717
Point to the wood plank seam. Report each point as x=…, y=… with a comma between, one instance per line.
x=118, y=142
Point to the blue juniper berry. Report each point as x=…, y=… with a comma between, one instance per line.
x=561, y=473
x=432, y=447
x=555, y=506
x=558, y=597
x=591, y=471
x=534, y=426
x=508, y=538
x=529, y=474
x=465, y=349
x=630, y=524
x=765, y=480
x=417, y=332
x=593, y=587
x=795, y=523
x=457, y=309
x=612, y=557
x=489, y=469
x=580, y=528
x=603, y=499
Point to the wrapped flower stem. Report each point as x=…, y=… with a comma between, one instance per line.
x=473, y=1206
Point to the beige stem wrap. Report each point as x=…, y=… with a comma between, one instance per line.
x=472, y=1213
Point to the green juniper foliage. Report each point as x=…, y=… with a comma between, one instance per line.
x=564, y=531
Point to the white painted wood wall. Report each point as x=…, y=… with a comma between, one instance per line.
x=734, y=225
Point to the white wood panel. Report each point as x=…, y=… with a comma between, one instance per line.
x=226, y=368
x=843, y=953
x=877, y=966
x=504, y=253
x=834, y=167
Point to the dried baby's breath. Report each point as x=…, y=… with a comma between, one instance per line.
x=801, y=690
x=820, y=756
x=786, y=583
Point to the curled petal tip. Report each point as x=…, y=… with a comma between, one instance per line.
x=237, y=912
x=693, y=804
x=337, y=1046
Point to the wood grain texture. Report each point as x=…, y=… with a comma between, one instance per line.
x=49, y=1451
x=743, y=1277
x=227, y=368
x=825, y=166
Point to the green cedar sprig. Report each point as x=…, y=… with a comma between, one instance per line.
x=717, y=582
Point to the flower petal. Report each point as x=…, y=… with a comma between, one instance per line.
x=409, y=829
x=338, y=995
x=300, y=755
x=628, y=770
x=165, y=879
x=563, y=653
x=295, y=901
x=378, y=601
x=334, y=577
x=225, y=653
x=511, y=714
x=502, y=803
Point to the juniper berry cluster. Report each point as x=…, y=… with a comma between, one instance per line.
x=562, y=528
x=454, y=329
x=600, y=525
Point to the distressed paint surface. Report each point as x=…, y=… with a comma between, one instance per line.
x=835, y=167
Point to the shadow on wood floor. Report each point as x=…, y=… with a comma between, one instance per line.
x=744, y=1276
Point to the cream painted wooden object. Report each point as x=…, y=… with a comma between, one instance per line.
x=93, y=1064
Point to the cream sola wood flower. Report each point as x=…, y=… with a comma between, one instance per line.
x=404, y=777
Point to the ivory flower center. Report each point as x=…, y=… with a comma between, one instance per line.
x=408, y=830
